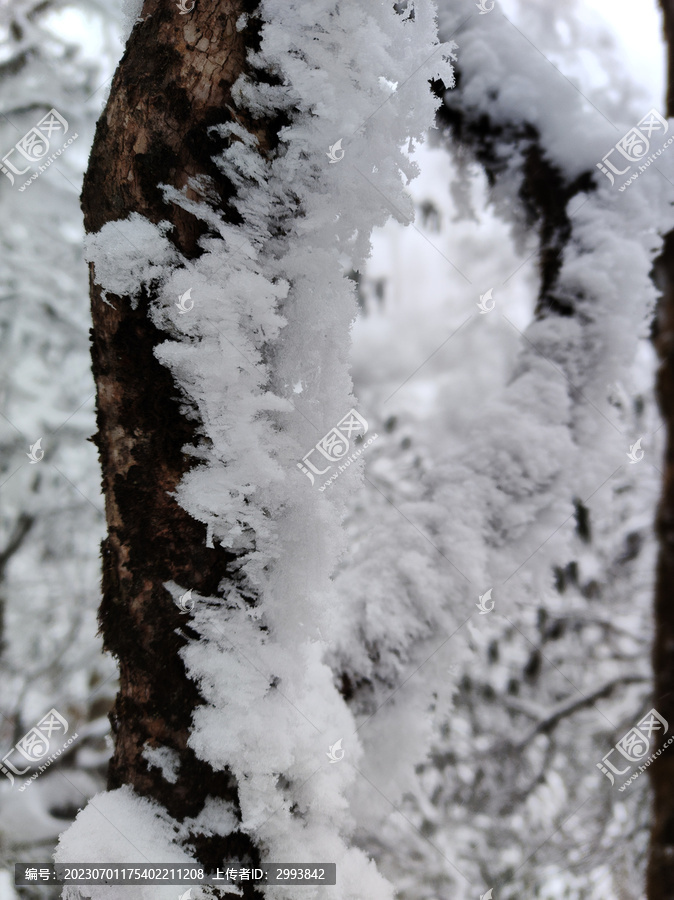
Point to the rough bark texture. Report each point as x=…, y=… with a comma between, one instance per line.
x=174, y=81
x=660, y=876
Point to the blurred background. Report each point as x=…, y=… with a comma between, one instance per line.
x=495, y=798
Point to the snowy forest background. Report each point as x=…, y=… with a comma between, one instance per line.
x=501, y=464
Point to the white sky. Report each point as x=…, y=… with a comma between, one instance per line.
x=638, y=29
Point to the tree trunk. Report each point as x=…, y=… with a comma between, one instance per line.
x=174, y=81
x=660, y=876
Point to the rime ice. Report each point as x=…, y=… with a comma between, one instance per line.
x=273, y=309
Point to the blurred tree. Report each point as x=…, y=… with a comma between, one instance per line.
x=558, y=671
x=52, y=55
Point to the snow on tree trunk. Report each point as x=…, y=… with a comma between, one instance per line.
x=234, y=180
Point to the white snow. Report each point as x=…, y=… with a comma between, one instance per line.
x=273, y=309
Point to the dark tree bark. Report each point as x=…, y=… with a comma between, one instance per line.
x=660, y=876
x=174, y=81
